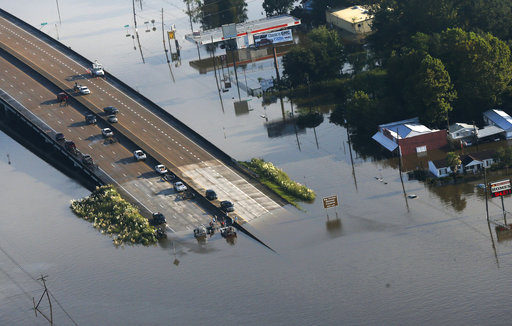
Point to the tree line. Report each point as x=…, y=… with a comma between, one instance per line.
x=441, y=60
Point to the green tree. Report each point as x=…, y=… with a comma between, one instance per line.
x=453, y=161
x=360, y=112
x=503, y=157
x=480, y=67
x=215, y=13
x=277, y=7
x=422, y=85
x=298, y=65
x=487, y=15
x=396, y=21
x=321, y=56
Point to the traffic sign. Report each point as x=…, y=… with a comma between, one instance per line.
x=331, y=201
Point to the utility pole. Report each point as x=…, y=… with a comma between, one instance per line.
x=275, y=63
x=165, y=49
x=136, y=31
x=36, y=307
x=58, y=11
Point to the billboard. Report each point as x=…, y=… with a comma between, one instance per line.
x=274, y=37
x=500, y=188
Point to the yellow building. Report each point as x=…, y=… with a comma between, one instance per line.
x=355, y=19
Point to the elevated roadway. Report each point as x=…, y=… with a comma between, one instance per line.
x=51, y=71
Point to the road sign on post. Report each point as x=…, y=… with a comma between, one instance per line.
x=331, y=201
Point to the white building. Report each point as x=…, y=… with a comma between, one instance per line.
x=355, y=20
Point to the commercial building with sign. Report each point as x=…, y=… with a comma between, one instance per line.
x=246, y=32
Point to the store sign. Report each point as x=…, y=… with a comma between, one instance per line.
x=500, y=188
x=274, y=37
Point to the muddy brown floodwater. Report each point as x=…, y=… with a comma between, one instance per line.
x=378, y=259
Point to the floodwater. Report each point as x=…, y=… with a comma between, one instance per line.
x=378, y=259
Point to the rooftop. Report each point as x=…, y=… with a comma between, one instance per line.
x=354, y=14
x=500, y=118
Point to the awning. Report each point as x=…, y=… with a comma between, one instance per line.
x=385, y=141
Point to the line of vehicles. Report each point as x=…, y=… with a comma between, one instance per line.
x=111, y=112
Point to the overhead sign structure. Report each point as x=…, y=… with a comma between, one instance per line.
x=500, y=188
x=331, y=201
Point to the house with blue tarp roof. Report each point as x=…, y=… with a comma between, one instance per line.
x=500, y=119
x=409, y=137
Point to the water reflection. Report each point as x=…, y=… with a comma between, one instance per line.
x=334, y=227
x=453, y=195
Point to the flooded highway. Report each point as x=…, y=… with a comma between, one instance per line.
x=380, y=258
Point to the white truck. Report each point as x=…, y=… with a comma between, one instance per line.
x=97, y=69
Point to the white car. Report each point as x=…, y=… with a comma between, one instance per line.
x=179, y=186
x=160, y=169
x=139, y=155
x=84, y=90
x=107, y=132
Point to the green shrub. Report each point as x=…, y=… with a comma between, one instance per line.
x=111, y=214
x=278, y=177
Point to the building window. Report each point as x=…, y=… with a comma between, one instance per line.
x=442, y=171
x=421, y=149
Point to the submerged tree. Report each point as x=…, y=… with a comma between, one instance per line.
x=215, y=13
x=277, y=7
x=453, y=161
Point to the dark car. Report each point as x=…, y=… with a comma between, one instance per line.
x=90, y=119
x=210, y=194
x=59, y=136
x=70, y=145
x=158, y=218
x=111, y=110
x=227, y=206
x=87, y=159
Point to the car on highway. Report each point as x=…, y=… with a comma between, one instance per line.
x=161, y=169
x=87, y=159
x=107, y=132
x=84, y=90
x=112, y=119
x=110, y=110
x=158, y=218
x=139, y=155
x=179, y=186
x=210, y=194
x=59, y=136
x=227, y=206
x=90, y=119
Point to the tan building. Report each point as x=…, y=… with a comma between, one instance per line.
x=355, y=19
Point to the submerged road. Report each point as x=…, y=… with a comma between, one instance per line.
x=145, y=128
